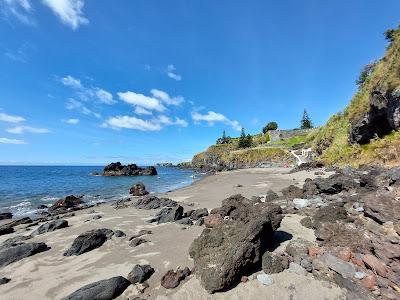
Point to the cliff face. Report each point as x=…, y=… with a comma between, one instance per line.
x=367, y=131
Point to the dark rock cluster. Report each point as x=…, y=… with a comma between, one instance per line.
x=118, y=169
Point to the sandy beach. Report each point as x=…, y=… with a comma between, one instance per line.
x=50, y=275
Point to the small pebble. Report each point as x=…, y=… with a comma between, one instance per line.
x=265, y=279
x=359, y=275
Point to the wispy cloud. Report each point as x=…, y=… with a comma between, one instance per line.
x=164, y=97
x=76, y=105
x=20, y=9
x=86, y=93
x=154, y=124
x=142, y=111
x=29, y=129
x=171, y=72
x=70, y=12
x=71, y=121
x=10, y=118
x=12, y=141
x=212, y=117
x=140, y=100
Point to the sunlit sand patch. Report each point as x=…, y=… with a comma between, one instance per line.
x=149, y=254
x=166, y=263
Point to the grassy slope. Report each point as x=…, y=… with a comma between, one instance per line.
x=331, y=140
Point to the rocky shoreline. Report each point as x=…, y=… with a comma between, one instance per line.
x=354, y=213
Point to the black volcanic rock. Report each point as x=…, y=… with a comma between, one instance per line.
x=18, y=252
x=138, y=189
x=66, y=203
x=88, y=241
x=118, y=169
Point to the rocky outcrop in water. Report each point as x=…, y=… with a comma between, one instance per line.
x=69, y=202
x=118, y=169
x=235, y=244
x=138, y=190
x=106, y=289
x=382, y=118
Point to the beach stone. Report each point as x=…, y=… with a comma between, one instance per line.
x=42, y=206
x=119, y=233
x=292, y=192
x=140, y=273
x=66, y=203
x=96, y=217
x=330, y=214
x=381, y=209
x=101, y=290
x=347, y=270
x=297, y=269
x=375, y=264
x=298, y=249
x=199, y=213
x=4, y=280
x=369, y=282
x=199, y=222
x=271, y=196
x=153, y=202
x=171, y=279
x=271, y=263
x=18, y=252
x=224, y=253
x=17, y=240
x=306, y=264
x=136, y=242
x=265, y=279
x=300, y=203
x=168, y=214
x=140, y=233
x=6, y=215
x=50, y=226
x=88, y=241
x=138, y=190
x=122, y=203
x=306, y=222
x=185, y=221
x=359, y=275
x=6, y=229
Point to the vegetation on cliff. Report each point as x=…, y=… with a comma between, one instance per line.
x=331, y=142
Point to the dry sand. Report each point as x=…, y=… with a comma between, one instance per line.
x=50, y=275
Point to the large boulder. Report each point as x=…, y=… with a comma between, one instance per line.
x=153, y=202
x=138, y=190
x=88, y=241
x=117, y=169
x=382, y=117
x=14, y=241
x=140, y=273
x=50, y=226
x=106, y=289
x=66, y=203
x=168, y=214
x=14, y=253
x=6, y=229
x=235, y=245
x=382, y=208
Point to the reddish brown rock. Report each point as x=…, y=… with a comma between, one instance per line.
x=375, y=264
x=369, y=282
x=171, y=279
x=344, y=254
x=212, y=220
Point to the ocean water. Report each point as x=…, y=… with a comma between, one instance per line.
x=23, y=188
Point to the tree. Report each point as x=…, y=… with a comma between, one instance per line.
x=389, y=35
x=245, y=141
x=306, y=122
x=270, y=126
x=365, y=72
x=224, y=139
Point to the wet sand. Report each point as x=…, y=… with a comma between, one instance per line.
x=50, y=275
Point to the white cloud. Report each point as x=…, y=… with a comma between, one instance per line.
x=71, y=121
x=71, y=82
x=10, y=119
x=142, y=111
x=164, y=97
x=23, y=129
x=21, y=9
x=212, y=117
x=104, y=96
x=172, y=74
x=86, y=93
x=154, y=124
x=141, y=100
x=132, y=123
x=73, y=104
x=70, y=12
x=168, y=121
x=12, y=141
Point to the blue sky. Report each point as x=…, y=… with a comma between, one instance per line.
x=149, y=81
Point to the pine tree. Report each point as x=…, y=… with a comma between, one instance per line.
x=245, y=141
x=223, y=135
x=306, y=122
